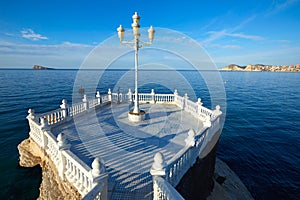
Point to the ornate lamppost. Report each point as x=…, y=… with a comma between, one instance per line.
x=136, y=114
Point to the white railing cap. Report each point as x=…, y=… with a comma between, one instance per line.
x=159, y=165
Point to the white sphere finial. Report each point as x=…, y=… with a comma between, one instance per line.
x=159, y=165
x=98, y=167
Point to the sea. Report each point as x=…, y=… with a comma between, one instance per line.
x=260, y=140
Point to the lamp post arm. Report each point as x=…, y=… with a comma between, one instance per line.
x=131, y=44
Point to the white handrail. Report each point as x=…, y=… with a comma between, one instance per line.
x=68, y=165
x=76, y=109
x=80, y=175
x=162, y=190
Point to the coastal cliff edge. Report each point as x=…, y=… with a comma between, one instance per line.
x=51, y=187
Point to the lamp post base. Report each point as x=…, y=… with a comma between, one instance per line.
x=136, y=117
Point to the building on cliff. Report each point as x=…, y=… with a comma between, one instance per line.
x=262, y=68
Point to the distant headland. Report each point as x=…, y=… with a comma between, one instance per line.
x=262, y=68
x=38, y=67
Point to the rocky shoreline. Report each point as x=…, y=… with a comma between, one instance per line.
x=51, y=188
x=262, y=68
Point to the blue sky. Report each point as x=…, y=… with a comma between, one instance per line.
x=60, y=34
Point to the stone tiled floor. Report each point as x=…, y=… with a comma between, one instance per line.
x=128, y=148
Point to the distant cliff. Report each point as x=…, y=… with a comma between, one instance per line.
x=262, y=68
x=38, y=67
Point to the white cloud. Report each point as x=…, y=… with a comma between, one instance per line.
x=224, y=46
x=277, y=7
x=31, y=35
x=64, y=55
x=283, y=41
x=218, y=34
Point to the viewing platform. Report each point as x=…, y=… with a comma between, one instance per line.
x=104, y=155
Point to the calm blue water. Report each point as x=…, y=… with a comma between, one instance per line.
x=260, y=140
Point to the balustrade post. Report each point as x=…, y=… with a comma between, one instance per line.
x=186, y=98
x=158, y=169
x=44, y=124
x=217, y=111
x=64, y=107
x=98, y=168
x=62, y=143
x=85, y=102
x=207, y=122
x=129, y=94
x=44, y=127
x=199, y=103
x=190, y=140
x=98, y=97
x=30, y=114
x=109, y=95
x=159, y=165
x=152, y=96
x=176, y=98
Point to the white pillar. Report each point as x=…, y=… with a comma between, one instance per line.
x=62, y=145
x=30, y=114
x=98, y=168
x=98, y=97
x=85, y=102
x=64, y=107
x=159, y=165
x=152, y=96
x=129, y=95
x=190, y=140
x=109, y=95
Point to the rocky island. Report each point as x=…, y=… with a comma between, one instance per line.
x=262, y=68
x=38, y=67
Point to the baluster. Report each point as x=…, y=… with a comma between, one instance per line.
x=68, y=167
x=85, y=184
x=51, y=118
x=73, y=172
x=54, y=118
x=78, y=182
x=57, y=116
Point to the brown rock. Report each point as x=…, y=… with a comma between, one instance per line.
x=52, y=187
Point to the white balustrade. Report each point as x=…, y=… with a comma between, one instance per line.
x=179, y=101
x=35, y=132
x=162, y=190
x=115, y=97
x=191, y=107
x=144, y=97
x=93, y=103
x=76, y=109
x=105, y=99
x=92, y=183
x=68, y=165
x=203, y=112
x=53, y=117
x=164, y=98
x=175, y=169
